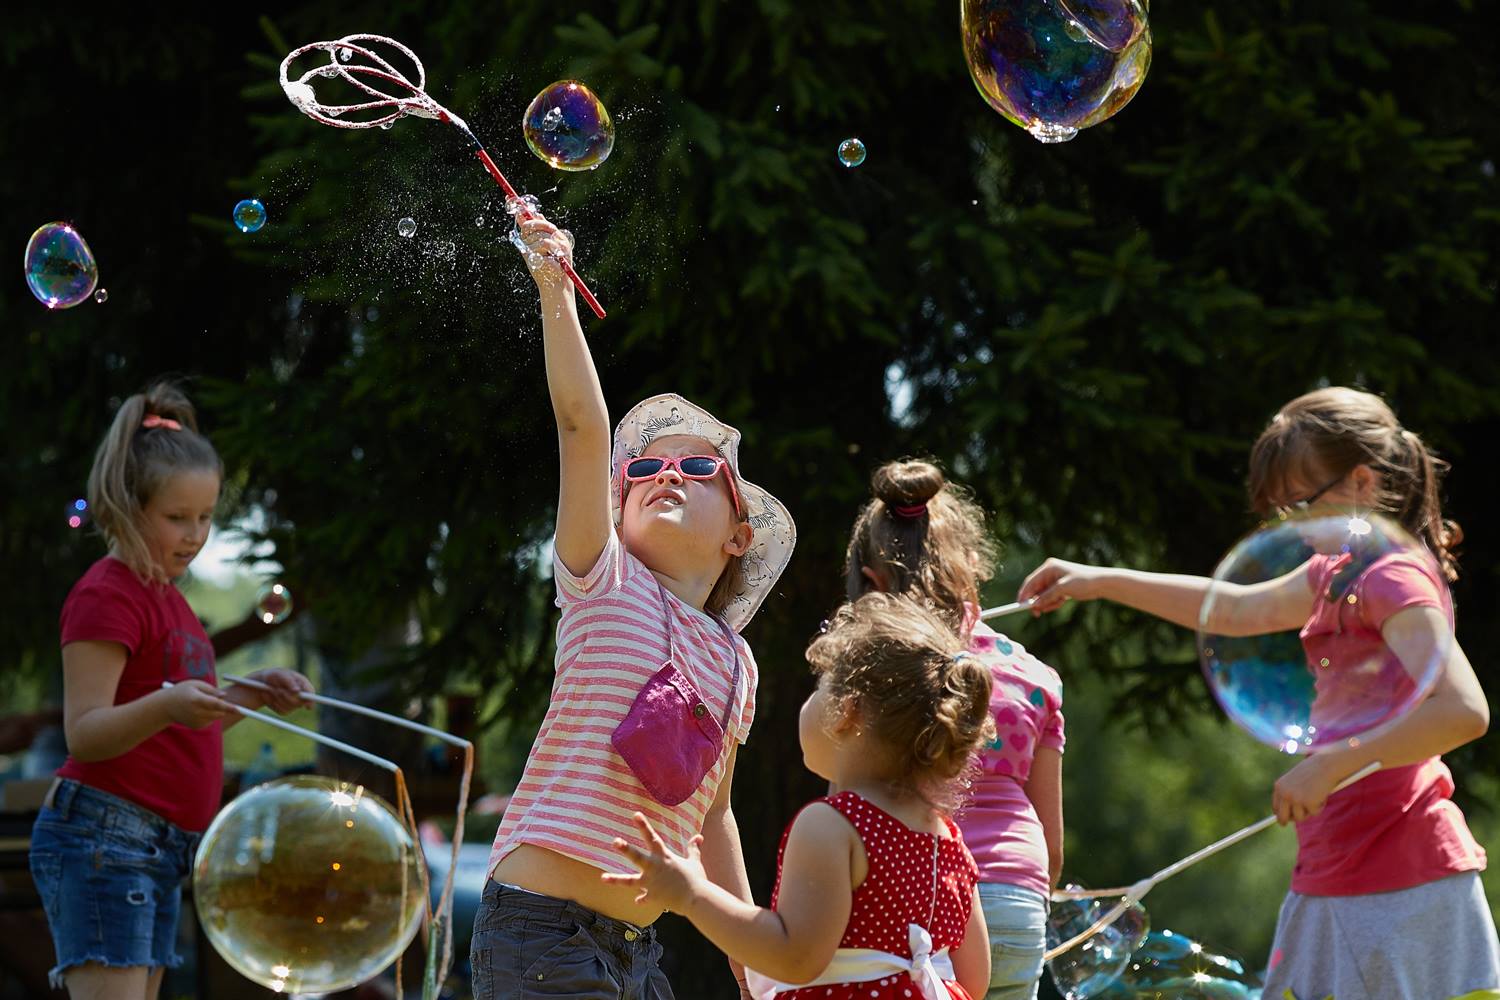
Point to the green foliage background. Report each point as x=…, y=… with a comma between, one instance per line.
x=1089, y=334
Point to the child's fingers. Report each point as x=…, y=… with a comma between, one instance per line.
x=620, y=878
x=637, y=857
x=650, y=832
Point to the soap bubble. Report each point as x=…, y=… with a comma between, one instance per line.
x=851, y=152
x=1056, y=66
x=60, y=267
x=101, y=295
x=1172, y=965
x=568, y=127
x=1086, y=969
x=77, y=513
x=1327, y=677
x=249, y=215
x=308, y=885
x=273, y=605
x=407, y=227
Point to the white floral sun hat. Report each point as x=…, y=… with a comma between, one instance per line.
x=775, y=533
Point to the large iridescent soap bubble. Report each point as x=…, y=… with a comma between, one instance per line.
x=1171, y=965
x=1056, y=66
x=60, y=267
x=1323, y=674
x=568, y=127
x=308, y=885
x=1087, y=969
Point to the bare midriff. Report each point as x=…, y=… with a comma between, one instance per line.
x=552, y=874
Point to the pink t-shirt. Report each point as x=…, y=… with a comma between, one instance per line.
x=1397, y=828
x=577, y=794
x=999, y=823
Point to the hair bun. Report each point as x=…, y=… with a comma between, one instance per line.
x=166, y=399
x=907, y=482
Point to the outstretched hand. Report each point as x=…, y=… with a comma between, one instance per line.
x=546, y=245
x=1055, y=582
x=670, y=879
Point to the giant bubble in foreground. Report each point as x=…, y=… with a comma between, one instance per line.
x=1056, y=66
x=308, y=885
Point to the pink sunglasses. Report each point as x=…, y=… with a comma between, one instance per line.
x=640, y=470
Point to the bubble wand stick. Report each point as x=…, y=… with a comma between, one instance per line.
x=388, y=107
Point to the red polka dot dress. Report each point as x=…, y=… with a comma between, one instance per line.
x=913, y=878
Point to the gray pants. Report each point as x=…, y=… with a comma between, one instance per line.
x=527, y=946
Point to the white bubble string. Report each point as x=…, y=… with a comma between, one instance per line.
x=352, y=60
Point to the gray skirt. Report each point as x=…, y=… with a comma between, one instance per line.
x=1429, y=942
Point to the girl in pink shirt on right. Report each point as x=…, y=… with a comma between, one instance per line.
x=923, y=537
x=1385, y=902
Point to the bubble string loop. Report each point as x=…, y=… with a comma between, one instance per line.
x=1134, y=893
x=410, y=99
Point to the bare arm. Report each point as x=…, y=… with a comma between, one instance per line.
x=1248, y=609
x=1044, y=789
x=1455, y=713
x=583, y=437
x=98, y=729
x=723, y=856
x=971, y=959
x=792, y=943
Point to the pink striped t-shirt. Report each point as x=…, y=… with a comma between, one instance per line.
x=577, y=794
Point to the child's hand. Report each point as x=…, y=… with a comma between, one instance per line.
x=1303, y=791
x=668, y=878
x=286, y=689
x=195, y=704
x=1052, y=583
x=545, y=246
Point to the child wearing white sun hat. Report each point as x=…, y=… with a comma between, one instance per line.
x=663, y=554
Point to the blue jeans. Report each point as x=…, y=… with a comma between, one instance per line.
x=110, y=876
x=1017, y=922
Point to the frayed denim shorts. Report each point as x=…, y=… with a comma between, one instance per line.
x=110, y=876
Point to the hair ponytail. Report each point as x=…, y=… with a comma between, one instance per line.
x=1422, y=508
x=132, y=463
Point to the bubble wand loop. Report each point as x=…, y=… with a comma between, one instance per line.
x=387, y=107
x=1135, y=893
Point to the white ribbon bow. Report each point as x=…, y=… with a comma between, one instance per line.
x=930, y=970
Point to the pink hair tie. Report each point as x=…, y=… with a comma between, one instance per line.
x=152, y=420
x=910, y=510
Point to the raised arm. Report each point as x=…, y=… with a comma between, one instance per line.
x=583, y=439
x=1248, y=609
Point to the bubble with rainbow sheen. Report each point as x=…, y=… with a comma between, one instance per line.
x=273, y=604
x=851, y=152
x=249, y=215
x=568, y=127
x=1086, y=969
x=1054, y=67
x=1168, y=964
x=60, y=268
x=1323, y=674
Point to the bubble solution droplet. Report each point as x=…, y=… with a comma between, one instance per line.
x=273, y=604
x=249, y=215
x=387, y=126
x=478, y=220
x=101, y=295
x=345, y=55
x=60, y=267
x=851, y=152
x=567, y=126
x=407, y=227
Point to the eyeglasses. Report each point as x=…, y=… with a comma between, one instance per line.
x=640, y=470
x=1305, y=504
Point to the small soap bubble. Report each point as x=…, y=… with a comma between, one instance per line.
x=308, y=885
x=101, y=295
x=567, y=126
x=407, y=227
x=1056, y=66
x=60, y=267
x=851, y=152
x=478, y=220
x=387, y=126
x=1091, y=967
x=273, y=604
x=346, y=54
x=1332, y=679
x=249, y=215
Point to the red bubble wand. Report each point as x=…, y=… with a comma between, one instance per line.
x=351, y=60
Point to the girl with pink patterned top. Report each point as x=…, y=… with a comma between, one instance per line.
x=1385, y=901
x=874, y=894
x=922, y=536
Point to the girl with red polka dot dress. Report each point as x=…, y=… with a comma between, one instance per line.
x=922, y=536
x=875, y=891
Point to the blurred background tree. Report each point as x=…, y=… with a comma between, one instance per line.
x=1090, y=334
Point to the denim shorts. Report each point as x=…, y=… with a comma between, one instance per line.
x=1017, y=922
x=110, y=876
x=528, y=946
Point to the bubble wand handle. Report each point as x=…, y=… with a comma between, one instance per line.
x=1006, y=609
x=510, y=192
